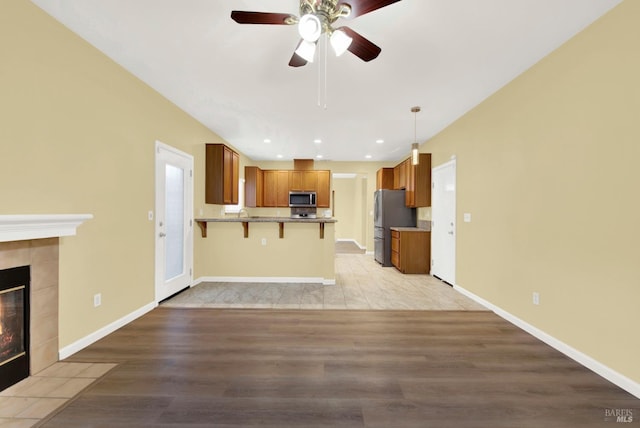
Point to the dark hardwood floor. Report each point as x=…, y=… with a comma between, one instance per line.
x=277, y=368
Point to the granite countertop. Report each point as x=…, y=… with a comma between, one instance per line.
x=266, y=219
x=409, y=229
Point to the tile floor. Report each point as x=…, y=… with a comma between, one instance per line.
x=27, y=402
x=361, y=283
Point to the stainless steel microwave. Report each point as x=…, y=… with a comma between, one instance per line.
x=302, y=199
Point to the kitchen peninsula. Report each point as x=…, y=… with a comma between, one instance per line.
x=266, y=249
x=202, y=222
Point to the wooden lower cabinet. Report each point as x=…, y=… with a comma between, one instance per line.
x=410, y=250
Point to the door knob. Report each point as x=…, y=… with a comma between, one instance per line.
x=450, y=232
x=162, y=234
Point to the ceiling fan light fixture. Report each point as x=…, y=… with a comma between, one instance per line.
x=306, y=50
x=310, y=27
x=340, y=42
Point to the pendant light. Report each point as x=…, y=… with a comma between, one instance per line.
x=415, y=154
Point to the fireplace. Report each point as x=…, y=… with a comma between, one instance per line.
x=14, y=325
x=29, y=246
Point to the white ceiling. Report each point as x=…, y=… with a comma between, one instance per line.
x=443, y=55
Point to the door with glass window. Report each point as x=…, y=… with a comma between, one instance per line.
x=174, y=225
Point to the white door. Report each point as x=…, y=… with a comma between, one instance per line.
x=174, y=225
x=443, y=226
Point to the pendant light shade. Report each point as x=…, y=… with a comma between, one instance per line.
x=415, y=147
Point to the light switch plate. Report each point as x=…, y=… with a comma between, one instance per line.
x=467, y=217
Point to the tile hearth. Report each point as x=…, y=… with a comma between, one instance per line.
x=26, y=403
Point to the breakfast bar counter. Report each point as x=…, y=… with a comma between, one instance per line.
x=321, y=221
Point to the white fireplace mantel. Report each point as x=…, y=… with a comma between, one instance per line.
x=39, y=226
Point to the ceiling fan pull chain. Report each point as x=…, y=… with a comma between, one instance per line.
x=319, y=81
x=326, y=40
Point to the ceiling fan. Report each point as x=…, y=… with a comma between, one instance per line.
x=316, y=18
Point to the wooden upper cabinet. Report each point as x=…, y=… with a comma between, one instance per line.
x=270, y=189
x=418, y=182
x=384, y=178
x=222, y=166
x=414, y=179
x=253, y=186
x=421, y=178
x=410, y=184
x=276, y=188
x=400, y=176
x=303, y=181
x=323, y=191
x=282, y=197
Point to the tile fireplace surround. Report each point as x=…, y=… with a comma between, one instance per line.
x=34, y=240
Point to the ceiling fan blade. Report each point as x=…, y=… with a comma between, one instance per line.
x=242, y=17
x=296, y=60
x=361, y=47
x=360, y=7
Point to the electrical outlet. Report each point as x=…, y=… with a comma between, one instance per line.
x=150, y=215
x=264, y=241
x=536, y=298
x=467, y=217
x=97, y=300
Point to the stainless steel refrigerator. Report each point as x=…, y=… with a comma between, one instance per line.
x=389, y=210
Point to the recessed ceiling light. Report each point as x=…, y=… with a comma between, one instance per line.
x=319, y=156
x=317, y=141
x=368, y=156
x=266, y=140
x=379, y=141
x=279, y=156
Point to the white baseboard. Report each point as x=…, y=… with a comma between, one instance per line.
x=270, y=279
x=78, y=345
x=369, y=253
x=354, y=241
x=608, y=373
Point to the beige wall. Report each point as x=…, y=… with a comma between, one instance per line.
x=77, y=136
x=548, y=169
